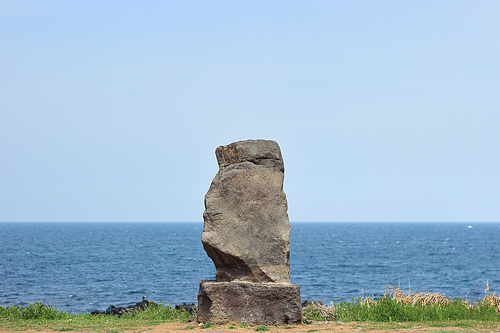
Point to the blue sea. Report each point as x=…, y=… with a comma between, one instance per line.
x=81, y=267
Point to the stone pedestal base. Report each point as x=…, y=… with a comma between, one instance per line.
x=252, y=303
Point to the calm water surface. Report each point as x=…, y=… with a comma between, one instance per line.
x=81, y=267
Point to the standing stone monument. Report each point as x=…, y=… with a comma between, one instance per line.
x=246, y=234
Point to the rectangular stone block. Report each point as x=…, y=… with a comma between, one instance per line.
x=274, y=304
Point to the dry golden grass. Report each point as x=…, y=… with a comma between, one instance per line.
x=414, y=298
x=493, y=300
x=367, y=301
x=326, y=311
x=427, y=298
x=406, y=297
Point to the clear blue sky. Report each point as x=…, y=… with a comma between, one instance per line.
x=384, y=110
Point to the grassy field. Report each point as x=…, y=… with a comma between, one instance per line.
x=406, y=306
x=397, y=309
x=40, y=316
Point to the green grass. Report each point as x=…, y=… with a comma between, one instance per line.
x=189, y=327
x=40, y=316
x=402, y=310
x=391, y=310
x=472, y=325
x=261, y=328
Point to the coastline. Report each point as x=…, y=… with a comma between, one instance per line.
x=114, y=263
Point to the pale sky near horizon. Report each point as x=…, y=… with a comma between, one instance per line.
x=384, y=110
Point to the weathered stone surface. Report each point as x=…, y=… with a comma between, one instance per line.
x=246, y=234
x=252, y=303
x=246, y=231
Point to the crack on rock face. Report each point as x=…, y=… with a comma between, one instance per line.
x=259, y=152
x=229, y=268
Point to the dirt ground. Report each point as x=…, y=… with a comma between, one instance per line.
x=318, y=327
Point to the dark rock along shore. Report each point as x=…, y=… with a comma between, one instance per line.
x=140, y=306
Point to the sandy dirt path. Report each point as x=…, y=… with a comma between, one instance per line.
x=318, y=327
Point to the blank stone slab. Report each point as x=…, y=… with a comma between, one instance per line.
x=274, y=304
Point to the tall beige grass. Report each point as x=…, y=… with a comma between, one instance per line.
x=426, y=298
x=416, y=298
x=407, y=297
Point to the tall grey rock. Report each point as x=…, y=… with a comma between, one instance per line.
x=246, y=231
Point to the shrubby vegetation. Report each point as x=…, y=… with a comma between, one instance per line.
x=395, y=306
x=405, y=306
x=33, y=311
x=38, y=315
